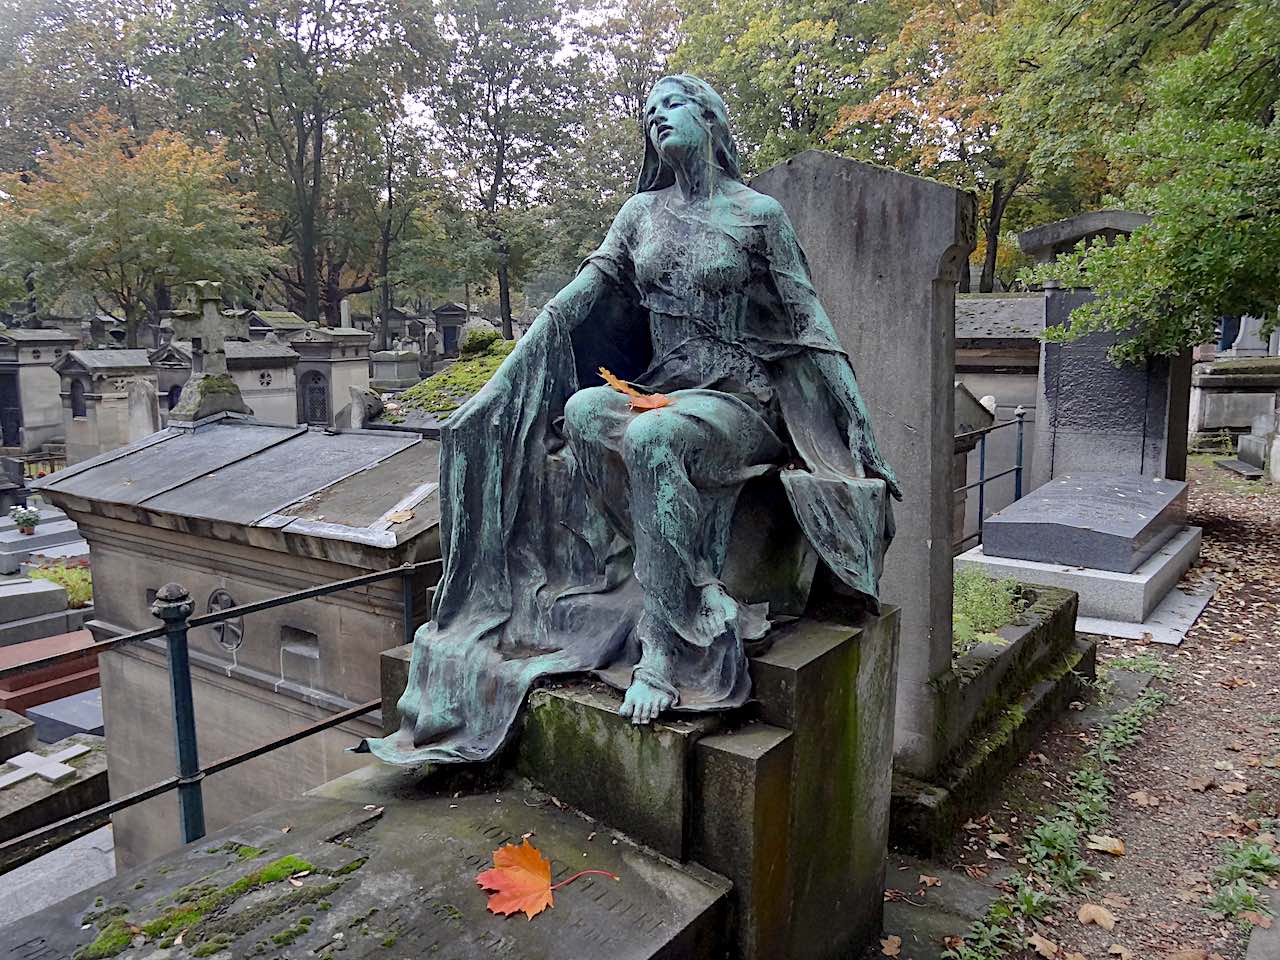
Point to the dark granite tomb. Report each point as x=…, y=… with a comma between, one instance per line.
x=1098, y=521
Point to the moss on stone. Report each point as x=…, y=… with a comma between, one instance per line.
x=351, y=867
x=111, y=941
x=188, y=913
x=390, y=939
x=211, y=946
x=980, y=606
x=445, y=391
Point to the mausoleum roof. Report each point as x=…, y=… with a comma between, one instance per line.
x=103, y=360
x=296, y=480
x=43, y=335
x=1006, y=317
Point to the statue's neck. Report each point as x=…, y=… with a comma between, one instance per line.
x=697, y=177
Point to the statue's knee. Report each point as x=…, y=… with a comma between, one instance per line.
x=651, y=438
x=583, y=412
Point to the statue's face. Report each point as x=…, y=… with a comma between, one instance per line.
x=673, y=122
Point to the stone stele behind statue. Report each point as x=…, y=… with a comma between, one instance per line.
x=580, y=533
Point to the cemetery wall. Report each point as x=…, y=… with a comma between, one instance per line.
x=288, y=666
x=229, y=718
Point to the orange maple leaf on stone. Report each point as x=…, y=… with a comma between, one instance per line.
x=521, y=880
x=638, y=401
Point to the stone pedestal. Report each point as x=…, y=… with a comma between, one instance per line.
x=788, y=799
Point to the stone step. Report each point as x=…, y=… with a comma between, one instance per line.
x=17, y=734
x=72, y=550
x=46, y=535
x=37, y=628
x=924, y=815
x=17, y=548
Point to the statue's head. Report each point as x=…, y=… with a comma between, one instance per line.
x=684, y=114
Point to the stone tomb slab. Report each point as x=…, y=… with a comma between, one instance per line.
x=1096, y=521
x=391, y=873
x=52, y=783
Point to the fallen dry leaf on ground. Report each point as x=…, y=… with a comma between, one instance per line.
x=1235, y=786
x=1257, y=919
x=1042, y=946
x=1111, y=845
x=928, y=881
x=1116, y=950
x=1096, y=913
x=1144, y=799
x=1188, y=955
x=891, y=946
x=399, y=516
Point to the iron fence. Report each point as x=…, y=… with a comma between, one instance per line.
x=1019, y=424
x=173, y=605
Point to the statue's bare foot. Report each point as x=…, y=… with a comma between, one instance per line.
x=643, y=703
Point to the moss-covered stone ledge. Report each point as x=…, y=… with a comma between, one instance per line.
x=924, y=816
x=984, y=681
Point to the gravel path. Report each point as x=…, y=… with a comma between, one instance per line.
x=1205, y=772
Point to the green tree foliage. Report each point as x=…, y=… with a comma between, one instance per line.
x=1204, y=159
x=125, y=217
x=503, y=98
x=785, y=67
x=291, y=84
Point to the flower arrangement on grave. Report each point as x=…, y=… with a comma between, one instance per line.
x=25, y=518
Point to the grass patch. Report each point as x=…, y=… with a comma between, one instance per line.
x=444, y=392
x=1146, y=662
x=981, y=605
x=1246, y=868
x=1053, y=850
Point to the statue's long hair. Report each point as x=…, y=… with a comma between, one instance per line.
x=656, y=175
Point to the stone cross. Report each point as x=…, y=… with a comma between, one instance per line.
x=208, y=328
x=50, y=768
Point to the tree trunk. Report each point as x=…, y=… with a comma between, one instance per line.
x=965, y=282
x=504, y=292
x=308, y=241
x=384, y=262
x=999, y=199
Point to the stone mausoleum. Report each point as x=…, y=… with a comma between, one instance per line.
x=236, y=511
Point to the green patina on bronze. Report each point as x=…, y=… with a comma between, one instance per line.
x=580, y=534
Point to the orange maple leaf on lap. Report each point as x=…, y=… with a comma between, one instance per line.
x=521, y=880
x=638, y=401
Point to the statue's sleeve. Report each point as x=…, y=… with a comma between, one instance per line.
x=789, y=274
x=613, y=256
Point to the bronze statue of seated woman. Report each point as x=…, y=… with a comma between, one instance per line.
x=586, y=529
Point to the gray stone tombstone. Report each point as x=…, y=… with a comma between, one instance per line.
x=1095, y=417
x=1249, y=342
x=144, y=408
x=886, y=250
x=1095, y=521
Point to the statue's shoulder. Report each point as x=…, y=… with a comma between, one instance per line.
x=757, y=206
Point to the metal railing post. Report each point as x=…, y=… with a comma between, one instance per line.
x=982, y=483
x=1020, y=416
x=407, y=581
x=173, y=605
